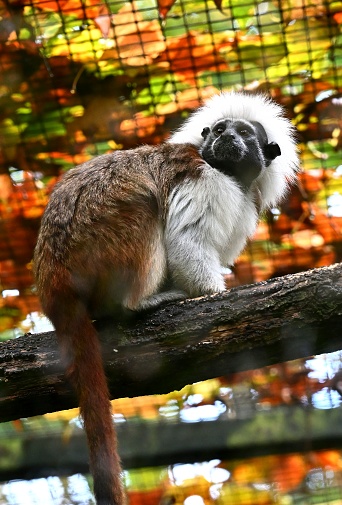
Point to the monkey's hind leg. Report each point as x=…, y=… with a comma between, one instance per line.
x=159, y=298
x=150, y=286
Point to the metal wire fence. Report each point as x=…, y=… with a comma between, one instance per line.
x=83, y=77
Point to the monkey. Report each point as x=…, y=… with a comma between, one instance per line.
x=129, y=230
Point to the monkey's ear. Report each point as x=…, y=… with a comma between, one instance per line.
x=272, y=151
x=205, y=132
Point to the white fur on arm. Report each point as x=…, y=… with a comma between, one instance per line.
x=203, y=218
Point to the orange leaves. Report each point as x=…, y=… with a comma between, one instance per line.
x=137, y=42
x=338, y=18
x=55, y=5
x=141, y=125
x=248, y=472
x=83, y=9
x=288, y=471
x=22, y=199
x=283, y=384
x=312, y=181
x=187, y=99
x=191, y=54
x=312, y=8
x=329, y=459
x=20, y=206
x=164, y=6
x=6, y=189
x=179, y=493
x=149, y=497
x=330, y=228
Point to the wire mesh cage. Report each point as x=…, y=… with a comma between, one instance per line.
x=83, y=77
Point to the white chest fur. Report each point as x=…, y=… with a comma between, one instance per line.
x=208, y=223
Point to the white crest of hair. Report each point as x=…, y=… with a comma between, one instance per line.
x=273, y=182
x=209, y=220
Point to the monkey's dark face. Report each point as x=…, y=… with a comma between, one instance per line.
x=238, y=148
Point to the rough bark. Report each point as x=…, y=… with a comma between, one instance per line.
x=248, y=327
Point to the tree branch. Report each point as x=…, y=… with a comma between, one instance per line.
x=248, y=327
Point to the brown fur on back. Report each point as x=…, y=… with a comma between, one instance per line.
x=101, y=246
x=102, y=216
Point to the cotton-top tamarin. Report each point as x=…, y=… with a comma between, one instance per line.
x=132, y=229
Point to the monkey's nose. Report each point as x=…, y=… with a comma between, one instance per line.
x=229, y=134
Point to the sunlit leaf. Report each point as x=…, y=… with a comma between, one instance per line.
x=262, y=52
x=85, y=47
x=160, y=91
x=46, y=23
x=103, y=23
x=83, y=9
x=178, y=493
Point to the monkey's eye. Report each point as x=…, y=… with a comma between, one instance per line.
x=244, y=133
x=218, y=131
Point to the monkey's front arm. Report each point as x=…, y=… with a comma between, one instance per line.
x=202, y=218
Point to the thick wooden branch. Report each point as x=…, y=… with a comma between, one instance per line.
x=248, y=327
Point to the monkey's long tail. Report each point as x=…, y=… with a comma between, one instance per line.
x=80, y=346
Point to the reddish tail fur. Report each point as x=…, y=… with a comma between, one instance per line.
x=81, y=350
